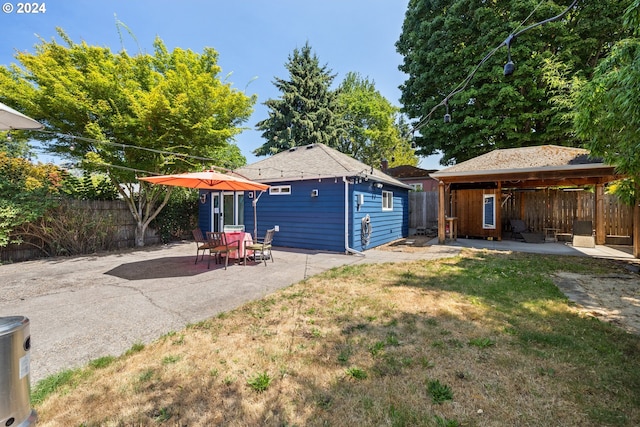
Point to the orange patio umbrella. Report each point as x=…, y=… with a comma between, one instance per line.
x=211, y=180
x=207, y=180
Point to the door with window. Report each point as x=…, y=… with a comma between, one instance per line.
x=227, y=209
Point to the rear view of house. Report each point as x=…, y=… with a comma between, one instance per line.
x=321, y=199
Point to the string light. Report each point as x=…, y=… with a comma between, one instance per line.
x=509, y=67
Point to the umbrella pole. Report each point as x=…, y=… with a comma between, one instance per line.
x=255, y=218
x=254, y=202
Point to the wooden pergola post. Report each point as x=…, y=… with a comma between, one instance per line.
x=601, y=235
x=498, y=200
x=636, y=223
x=441, y=213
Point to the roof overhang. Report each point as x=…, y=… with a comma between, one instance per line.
x=568, y=175
x=364, y=177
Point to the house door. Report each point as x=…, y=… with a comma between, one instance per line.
x=216, y=221
x=227, y=209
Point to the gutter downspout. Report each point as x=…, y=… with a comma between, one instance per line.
x=346, y=220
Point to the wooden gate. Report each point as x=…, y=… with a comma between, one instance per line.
x=423, y=210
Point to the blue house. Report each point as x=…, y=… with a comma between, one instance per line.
x=319, y=199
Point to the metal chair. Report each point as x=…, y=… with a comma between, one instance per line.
x=219, y=246
x=201, y=242
x=263, y=247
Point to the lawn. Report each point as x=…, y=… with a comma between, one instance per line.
x=483, y=339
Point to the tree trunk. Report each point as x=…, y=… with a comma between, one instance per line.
x=141, y=228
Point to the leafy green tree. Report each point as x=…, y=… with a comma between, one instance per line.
x=306, y=111
x=15, y=144
x=447, y=47
x=89, y=187
x=101, y=106
x=25, y=191
x=372, y=125
x=607, y=106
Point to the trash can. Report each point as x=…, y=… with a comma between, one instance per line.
x=15, y=346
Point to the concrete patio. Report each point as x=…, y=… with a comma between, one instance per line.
x=623, y=253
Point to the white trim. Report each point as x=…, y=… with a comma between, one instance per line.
x=277, y=190
x=389, y=197
x=485, y=199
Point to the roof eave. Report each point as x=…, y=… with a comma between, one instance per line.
x=340, y=176
x=590, y=167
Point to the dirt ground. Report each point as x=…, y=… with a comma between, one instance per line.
x=613, y=298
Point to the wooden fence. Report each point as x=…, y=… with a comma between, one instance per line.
x=554, y=208
x=114, y=212
x=423, y=211
x=549, y=208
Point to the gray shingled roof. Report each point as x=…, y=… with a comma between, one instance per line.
x=524, y=158
x=312, y=161
x=407, y=172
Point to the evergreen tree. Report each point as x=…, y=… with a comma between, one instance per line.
x=443, y=41
x=306, y=111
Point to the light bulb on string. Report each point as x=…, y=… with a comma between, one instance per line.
x=509, y=67
x=447, y=116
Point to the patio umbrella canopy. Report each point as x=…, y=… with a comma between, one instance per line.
x=11, y=119
x=208, y=180
x=211, y=180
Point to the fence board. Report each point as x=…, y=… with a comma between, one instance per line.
x=558, y=209
x=116, y=210
x=423, y=209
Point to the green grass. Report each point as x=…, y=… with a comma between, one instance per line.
x=481, y=339
x=439, y=392
x=260, y=382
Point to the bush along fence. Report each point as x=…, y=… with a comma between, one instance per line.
x=77, y=227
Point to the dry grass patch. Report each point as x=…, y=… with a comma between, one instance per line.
x=480, y=340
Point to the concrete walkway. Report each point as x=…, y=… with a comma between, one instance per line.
x=622, y=253
x=87, y=307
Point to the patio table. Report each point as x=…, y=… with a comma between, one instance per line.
x=238, y=236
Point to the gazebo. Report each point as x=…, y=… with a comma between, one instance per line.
x=473, y=195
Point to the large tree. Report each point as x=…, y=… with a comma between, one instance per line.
x=447, y=47
x=129, y=115
x=306, y=111
x=373, y=126
x=607, y=112
x=608, y=106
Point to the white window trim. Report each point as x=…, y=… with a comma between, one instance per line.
x=389, y=196
x=280, y=190
x=418, y=187
x=488, y=198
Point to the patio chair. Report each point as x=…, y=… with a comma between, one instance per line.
x=520, y=231
x=201, y=242
x=262, y=247
x=582, y=234
x=517, y=228
x=218, y=246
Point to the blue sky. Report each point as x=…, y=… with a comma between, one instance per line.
x=254, y=38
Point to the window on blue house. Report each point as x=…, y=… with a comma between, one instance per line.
x=387, y=200
x=280, y=190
